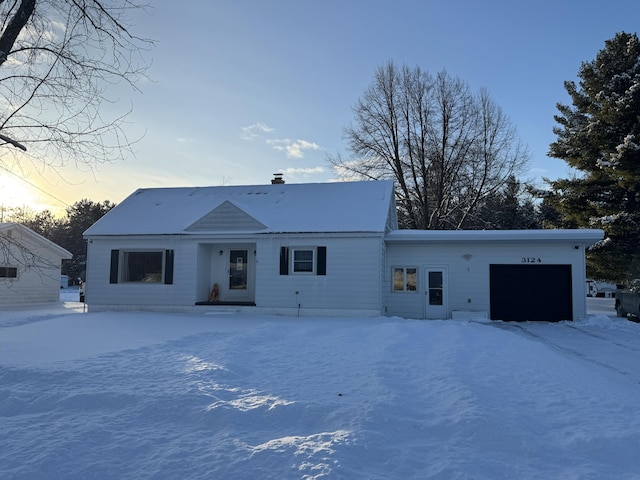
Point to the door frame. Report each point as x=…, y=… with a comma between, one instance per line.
x=221, y=272
x=436, y=311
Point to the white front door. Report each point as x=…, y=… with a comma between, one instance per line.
x=436, y=292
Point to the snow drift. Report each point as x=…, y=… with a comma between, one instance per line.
x=142, y=395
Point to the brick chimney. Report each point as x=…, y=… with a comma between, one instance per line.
x=277, y=179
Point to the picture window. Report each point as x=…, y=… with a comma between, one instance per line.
x=143, y=267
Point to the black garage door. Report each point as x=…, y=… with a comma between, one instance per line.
x=531, y=292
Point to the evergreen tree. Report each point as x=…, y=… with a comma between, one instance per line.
x=66, y=232
x=599, y=136
x=511, y=208
x=80, y=216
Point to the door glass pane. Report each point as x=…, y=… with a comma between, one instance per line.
x=237, y=269
x=435, y=288
x=435, y=296
x=435, y=279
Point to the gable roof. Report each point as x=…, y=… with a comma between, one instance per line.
x=28, y=237
x=279, y=208
x=226, y=217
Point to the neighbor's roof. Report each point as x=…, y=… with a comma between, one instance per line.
x=588, y=236
x=26, y=233
x=279, y=208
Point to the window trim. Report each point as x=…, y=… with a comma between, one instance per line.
x=319, y=261
x=404, y=279
x=124, y=264
x=119, y=266
x=292, y=259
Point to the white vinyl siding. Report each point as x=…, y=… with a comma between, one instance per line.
x=351, y=284
x=468, y=272
x=101, y=291
x=32, y=277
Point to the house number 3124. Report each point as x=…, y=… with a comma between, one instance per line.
x=531, y=260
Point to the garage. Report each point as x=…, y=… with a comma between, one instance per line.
x=531, y=292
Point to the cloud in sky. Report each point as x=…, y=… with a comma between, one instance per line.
x=251, y=132
x=303, y=171
x=293, y=149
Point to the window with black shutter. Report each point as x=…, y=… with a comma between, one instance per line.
x=152, y=266
x=303, y=260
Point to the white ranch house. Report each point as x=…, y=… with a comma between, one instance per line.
x=323, y=249
x=29, y=266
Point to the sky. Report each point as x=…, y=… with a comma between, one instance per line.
x=241, y=89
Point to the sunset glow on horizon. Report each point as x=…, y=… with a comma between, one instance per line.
x=17, y=193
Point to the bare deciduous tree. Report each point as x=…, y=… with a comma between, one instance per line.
x=446, y=148
x=57, y=60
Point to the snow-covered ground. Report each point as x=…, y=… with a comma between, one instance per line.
x=167, y=396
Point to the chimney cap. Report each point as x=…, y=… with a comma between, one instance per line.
x=277, y=179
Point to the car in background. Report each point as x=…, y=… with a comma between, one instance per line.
x=628, y=302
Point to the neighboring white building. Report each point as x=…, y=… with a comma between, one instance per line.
x=323, y=249
x=29, y=266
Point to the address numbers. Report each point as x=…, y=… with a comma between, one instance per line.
x=531, y=260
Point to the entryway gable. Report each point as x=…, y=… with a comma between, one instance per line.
x=226, y=217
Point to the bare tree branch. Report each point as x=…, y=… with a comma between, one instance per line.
x=59, y=60
x=446, y=148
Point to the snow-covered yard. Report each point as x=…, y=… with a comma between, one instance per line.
x=164, y=396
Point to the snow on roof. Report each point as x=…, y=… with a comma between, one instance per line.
x=286, y=208
x=588, y=236
x=6, y=228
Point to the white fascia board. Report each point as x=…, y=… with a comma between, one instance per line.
x=586, y=236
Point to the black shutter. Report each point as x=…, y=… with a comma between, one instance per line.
x=284, y=260
x=321, y=267
x=115, y=260
x=168, y=267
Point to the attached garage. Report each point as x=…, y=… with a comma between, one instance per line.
x=531, y=292
x=509, y=275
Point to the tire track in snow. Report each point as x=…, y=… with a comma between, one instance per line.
x=581, y=354
x=602, y=337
